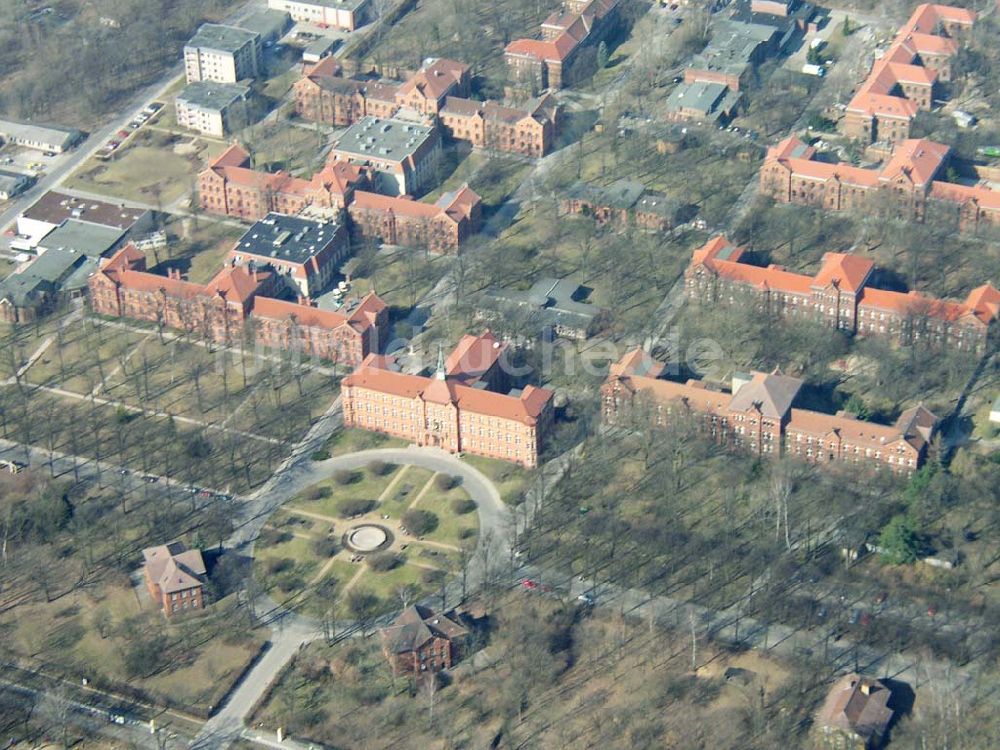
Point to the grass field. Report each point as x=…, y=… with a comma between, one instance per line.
x=169, y=406
x=288, y=565
x=147, y=169
x=510, y=480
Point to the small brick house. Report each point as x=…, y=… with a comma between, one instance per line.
x=422, y=641
x=175, y=577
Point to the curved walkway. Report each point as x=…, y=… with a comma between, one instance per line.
x=291, y=631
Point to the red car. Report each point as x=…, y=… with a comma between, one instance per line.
x=529, y=584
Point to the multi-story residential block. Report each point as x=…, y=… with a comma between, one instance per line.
x=420, y=640
x=903, y=81
x=175, y=578
x=236, y=306
x=440, y=227
x=346, y=15
x=756, y=416
x=231, y=187
x=625, y=204
x=225, y=54
x=529, y=130
x=400, y=156
x=910, y=180
x=304, y=251
x=550, y=62
x=839, y=295
x=455, y=409
x=214, y=108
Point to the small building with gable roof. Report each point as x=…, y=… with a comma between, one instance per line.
x=175, y=578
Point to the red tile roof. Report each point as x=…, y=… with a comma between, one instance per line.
x=920, y=159
x=848, y=272
x=435, y=80
x=526, y=407
x=473, y=356
x=308, y=316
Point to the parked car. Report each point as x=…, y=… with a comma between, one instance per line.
x=529, y=584
x=586, y=600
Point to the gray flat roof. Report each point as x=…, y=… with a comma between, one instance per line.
x=383, y=138
x=82, y=237
x=287, y=238
x=221, y=38
x=552, y=299
x=733, y=44
x=13, y=180
x=53, y=269
x=212, y=94
x=700, y=96
x=43, y=133
x=267, y=23
x=340, y=4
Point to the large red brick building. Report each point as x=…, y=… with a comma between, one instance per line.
x=420, y=640
x=528, y=130
x=235, y=307
x=324, y=95
x=840, y=296
x=757, y=416
x=459, y=409
x=903, y=81
x=549, y=62
x=231, y=187
x=440, y=227
x=175, y=578
x=910, y=179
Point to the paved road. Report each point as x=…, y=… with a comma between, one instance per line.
x=290, y=631
x=97, y=138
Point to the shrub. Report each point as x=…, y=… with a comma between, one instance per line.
x=344, y=476
x=445, y=482
x=280, y=565
x=420, y=522
x=355, y=507
x=316, y=492
x=466, y=533
x=433, y=577
x=462, y=505
x=325, y=547
x=384, y=561
x=321, y=455
x=291, y=582
x=379, y=468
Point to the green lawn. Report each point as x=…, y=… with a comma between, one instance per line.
x=365, y=487
x=62, y=635
x=405, y=491
x=153, y=175
x=450, y=525
x=511, y=480
x=351, y=440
